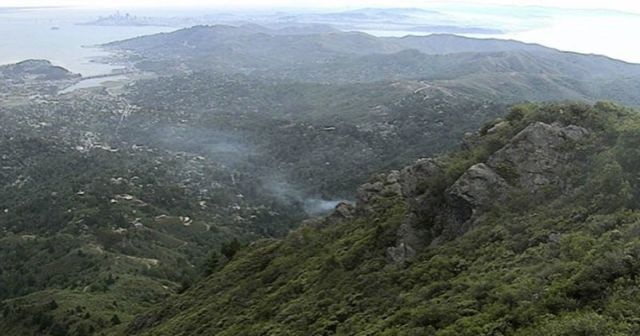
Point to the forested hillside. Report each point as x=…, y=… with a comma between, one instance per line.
x=507, y=69
x=128, y=208
x=531, y=229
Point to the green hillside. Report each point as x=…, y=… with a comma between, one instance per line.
x=164, y=204
x=531, y=229
x=508, y=69
x=102, y=226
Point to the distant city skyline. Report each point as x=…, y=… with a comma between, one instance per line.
x=599, y=32
x=621, y=5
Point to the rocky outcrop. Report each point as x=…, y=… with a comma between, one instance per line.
x=401, y=253
x=479, y=187
x=533, y=160
x=409, y=183
x=341, y=212
x=413, y=178
x=413, y=181
x=344, y=210
x=381, y=186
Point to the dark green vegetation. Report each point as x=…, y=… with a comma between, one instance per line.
x=556, y=259
x=323, y=139
x=30, y=79
x=110, y=205
x=103, y=225
x=34, y=70
x=324, y=110
x=482, y=67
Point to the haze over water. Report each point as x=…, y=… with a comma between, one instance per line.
x=31, y=35
x=53, y=33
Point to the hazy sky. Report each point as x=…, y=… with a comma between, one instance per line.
x=625, y=5
x=606, y=33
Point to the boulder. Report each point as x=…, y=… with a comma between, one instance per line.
x=412, y=178
x=401, y=253
x=479, y=187
x=343, y=210
x=382, y=186
x=537, y=156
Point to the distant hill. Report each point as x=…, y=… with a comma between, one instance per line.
x=532, y=72
x=35, y=70
x=253, y=44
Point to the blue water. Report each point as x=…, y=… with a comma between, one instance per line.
x=28, y=34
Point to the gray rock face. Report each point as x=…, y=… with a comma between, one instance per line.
x=412, y=177
x=401, y=253
x=412, y=180
x=409, y=240
x=342, y=211
x=381, y=186
x=478, y=187
x=535, y=157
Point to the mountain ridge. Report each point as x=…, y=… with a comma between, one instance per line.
x=514, y=71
